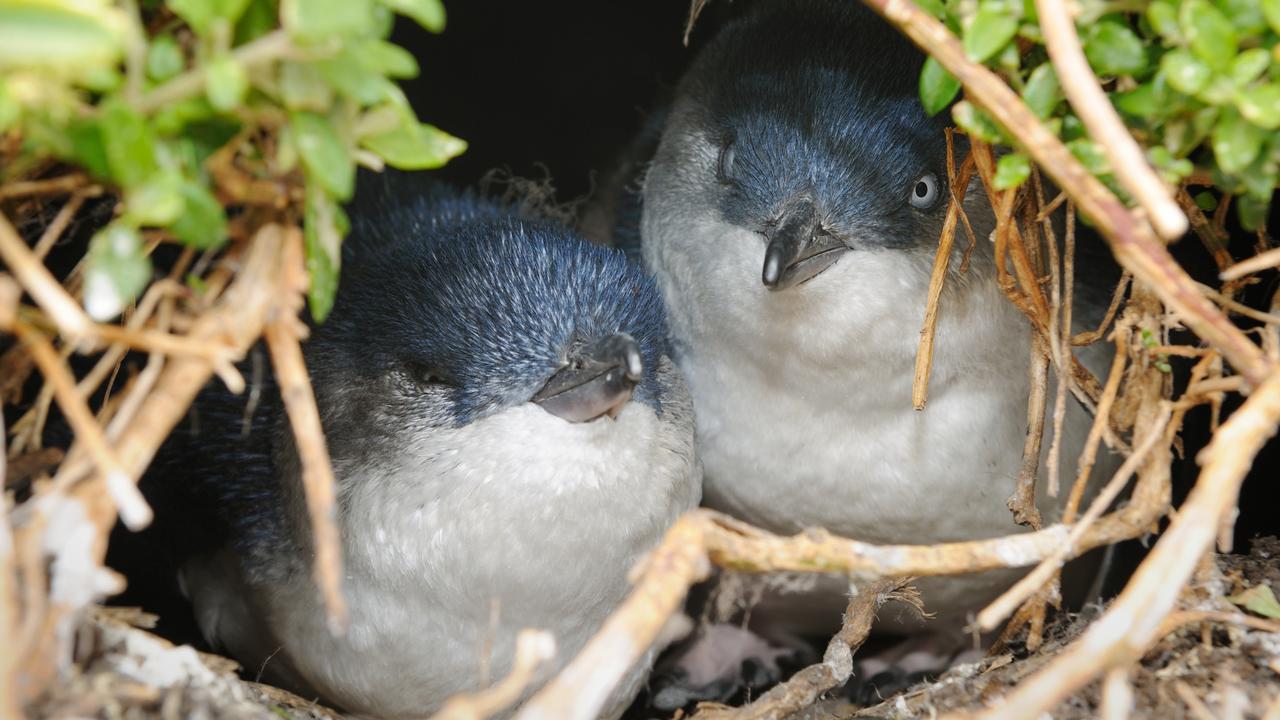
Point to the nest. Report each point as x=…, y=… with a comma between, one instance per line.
x=63, y=654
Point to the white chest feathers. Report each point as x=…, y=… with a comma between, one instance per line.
x=518, y=520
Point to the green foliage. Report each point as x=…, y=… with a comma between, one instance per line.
x=1197, y=81
x=303, y=87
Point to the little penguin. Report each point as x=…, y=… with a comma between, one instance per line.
x=509, y=436
x=791, y=214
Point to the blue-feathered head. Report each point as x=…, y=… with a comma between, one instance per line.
x=812, y=108
x=450, y=309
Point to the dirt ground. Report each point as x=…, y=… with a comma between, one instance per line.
x=1202, y=670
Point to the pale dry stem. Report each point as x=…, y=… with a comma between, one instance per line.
x=808, y=685
x=1132, y=622
x=1133, y=243
x=1262, y=261
x=941, y=264
x=1087, y=98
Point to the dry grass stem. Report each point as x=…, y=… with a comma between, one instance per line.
x=1117, y=695
x=1132, y=242
x=810, y=684
x=1182, y=618
x=941, y=264
x=1213, y=238
x=283, y=335
x=533, y=648
x=133, y=508
x=995, y=613
x=1262, y=261
x=1238, y=307
x=53, y=186
x=31, y=273
x=1198, y=709
x=1092, y=336
x=1132, y=622
x=1023, y=501
x=1087, y=98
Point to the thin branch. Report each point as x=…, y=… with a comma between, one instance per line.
x=283, y=335
x=1023, y=501
x=60, y=185
x=1257, y=263
x=1132, y=623
x=269, y=48
x=808, y=685
x=133, y=508
x=1092, y=336
x=1082, y=89
x=36, y=279
x=1133, y=243
x=941, y=263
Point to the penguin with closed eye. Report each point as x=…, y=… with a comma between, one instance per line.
x=509, y=437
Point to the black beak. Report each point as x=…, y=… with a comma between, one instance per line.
x=597, y=380
x=799, y=248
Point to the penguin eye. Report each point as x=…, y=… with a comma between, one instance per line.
x=925, y=191
x=425, y=374
x=724, y=164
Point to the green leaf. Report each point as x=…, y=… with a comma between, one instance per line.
x=1163, y=16
x=1140, y=102
x=88, y=148
x=992, y=28
x=1252, y=212
x=1041, y=92
x=933, y=7
x=171, y=119
x=389, y=59
x=1271, y=10
x=1011, y=171
x=1212, y=36
x=1206, y=201
x=1113, y=49
x=303, y=87
x=427, y=13
x=1246, y=15
x=1249, y=65
x=226, y=83
x=1184, y=72
x=202, y=14
x=323, y=241
x=129, y=144
x=1260, y=105
x=415, y=147
x=351, y=75
x=1258, y=600
x=9, y=108
x=937, y=87
x=976, y=122
x=203, y=223
x=311, y=21
x=60, y=36
x=1236, y=141
x=1090, y=155
x=324, y=154
x=259, y=18
x=164, y=59
x=156, y=202
x=116, y=270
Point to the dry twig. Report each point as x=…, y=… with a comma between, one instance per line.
x=1084, y=92
x=1132, y=242
x=1132, y=623
x=1257, y=263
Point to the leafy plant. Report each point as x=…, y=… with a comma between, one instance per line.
x=1197, y=82
x=149, y=98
